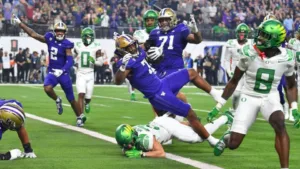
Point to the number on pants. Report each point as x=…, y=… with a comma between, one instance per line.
x=84, y=59
x=151, y=69
x=53, y=54
x=264, y=80
x=164, y=40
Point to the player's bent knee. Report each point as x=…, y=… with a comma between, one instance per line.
x=47, y=89
x=192, y=73
x=234, y=144
x=277, y=121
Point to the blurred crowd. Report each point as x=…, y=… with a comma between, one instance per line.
x=216, y=18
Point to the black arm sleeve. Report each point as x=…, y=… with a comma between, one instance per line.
x=149, y=43
x=5, y=156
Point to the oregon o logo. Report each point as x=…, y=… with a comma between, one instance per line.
x=243, y=99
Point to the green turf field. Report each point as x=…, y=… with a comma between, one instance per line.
x=61, y=148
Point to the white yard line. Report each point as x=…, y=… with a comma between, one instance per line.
x=141, y=102
x=100, y=136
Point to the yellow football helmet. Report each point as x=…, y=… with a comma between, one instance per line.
x=12, y=116
x=269, y=16
x=127, y=44
x=167, y=13
x=61, y=28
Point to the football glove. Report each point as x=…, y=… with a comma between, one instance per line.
x=192, y=24
x=91, y=59
x=134, y=153
x=14, y=154
x=28, y=155
x=57, y=72
x=126, y=59
x=16, y=19
x=154, y=53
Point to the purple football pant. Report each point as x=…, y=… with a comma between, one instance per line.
x=65, y=82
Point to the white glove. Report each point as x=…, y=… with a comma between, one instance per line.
x=57, y=72
x=16, y=19
x=14, y=154
x=116, y=34
x=192, y=24
x=28, y=155
x=154, y=53
x=126, y=59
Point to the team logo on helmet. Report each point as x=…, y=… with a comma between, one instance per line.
x=60, y=30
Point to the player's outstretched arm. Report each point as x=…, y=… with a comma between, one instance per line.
x=292, y=96
x=123, y=72
x=23, y=136
x=28, y=30
x=228, y=91
x=157, y=151
x=195, y=37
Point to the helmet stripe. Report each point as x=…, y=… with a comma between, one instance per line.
x=14, y=111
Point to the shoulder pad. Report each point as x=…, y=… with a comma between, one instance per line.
x=292, y=41
x=67, y=44
x=49, y=36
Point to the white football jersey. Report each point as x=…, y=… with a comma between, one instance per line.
x=83, y=52
x=149, y=130
x=232, y=54
x=141, y=36
x=294, y=44
x=262, y=76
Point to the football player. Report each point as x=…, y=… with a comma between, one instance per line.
x=160, y=93
x=86, y=52
x=12, y=118
x=282, y=84
x=60, y=62
x=232, y=57
x=146, y=140
x=263, y=64
x=165, y=45
x=294, y=44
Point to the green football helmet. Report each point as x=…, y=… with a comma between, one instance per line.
x=87, y=36
x=150, y=14
x=242, y=28
x=125, y=135
x=270, y=33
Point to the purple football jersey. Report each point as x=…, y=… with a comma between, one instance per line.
x=57, y=51
x=173, y=41
x=142, y=76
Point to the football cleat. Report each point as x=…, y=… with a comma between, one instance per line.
x=229, y=116
x=220, y=146
x=59, y=105
x=87, y=108
x=132, y=97
x=80, y=120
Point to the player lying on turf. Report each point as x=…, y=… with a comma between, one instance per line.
x=160, y=93
x=12, y=118
x=146, y=140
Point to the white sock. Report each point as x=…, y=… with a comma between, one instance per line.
x=58, y=99
x=284, y=168
x=212, y=140
x=212, y=127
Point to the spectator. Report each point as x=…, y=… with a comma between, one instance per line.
x=188, y=61
x=199, y=63
x=104, y=22
x=20, y=59
x=288, y=24
x=43, y=65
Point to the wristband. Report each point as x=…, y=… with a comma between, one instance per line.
x=122, y=68
x=27, y=148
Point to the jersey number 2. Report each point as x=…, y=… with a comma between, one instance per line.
x=53, y=54
x=164, y=40
x=264, y=80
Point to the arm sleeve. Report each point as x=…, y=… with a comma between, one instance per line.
x=68, y=64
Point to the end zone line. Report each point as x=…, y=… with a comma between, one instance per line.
x=100, y=136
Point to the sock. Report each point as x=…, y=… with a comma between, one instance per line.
x=284, y=168
x=212, y=127
x=212, y=141
x=58, y=99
